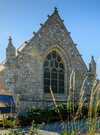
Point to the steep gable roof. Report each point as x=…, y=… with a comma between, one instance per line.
x=52, y=21
x=53, y=30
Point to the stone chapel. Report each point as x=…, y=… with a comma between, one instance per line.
x=44, y=63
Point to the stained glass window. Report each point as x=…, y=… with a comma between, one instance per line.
x=54, y=73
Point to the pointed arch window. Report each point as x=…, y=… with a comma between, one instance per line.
x=54, y=73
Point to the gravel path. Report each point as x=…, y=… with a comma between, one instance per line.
x=41, y=132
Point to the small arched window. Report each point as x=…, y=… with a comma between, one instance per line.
x=54, y=73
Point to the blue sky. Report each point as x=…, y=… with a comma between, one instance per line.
x=20, y=18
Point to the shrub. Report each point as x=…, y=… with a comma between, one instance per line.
x=15, y=132
x=67, y=111
x=23, y=119
x=9, y=123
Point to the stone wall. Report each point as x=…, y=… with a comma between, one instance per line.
x=26, y=73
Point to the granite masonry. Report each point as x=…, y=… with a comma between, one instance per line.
x=45, y=62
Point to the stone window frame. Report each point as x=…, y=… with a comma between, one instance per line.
x=54, y=76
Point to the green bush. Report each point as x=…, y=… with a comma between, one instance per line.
x=15, y=132
x=23, y=119
x=67, y=111
x=9, y=123
x=45, y=115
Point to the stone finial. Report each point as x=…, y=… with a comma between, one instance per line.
x=92, y=59
x=80, y=55
x=10, y=40
x=92, y=66
x=41, y=24
x=55, y=10
x=75, y=44
x=10, y=50
x=69, y=32
x=25, y=42
x=48, y=16
x=34, y=33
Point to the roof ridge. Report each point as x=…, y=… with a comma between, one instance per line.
x=23, y=45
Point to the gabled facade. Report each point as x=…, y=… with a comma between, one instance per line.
x=45, y=62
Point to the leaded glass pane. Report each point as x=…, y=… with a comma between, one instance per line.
x=53, y=73
x=61, y=65
x=54, y=54
x=49, y=57
x=46, y=63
